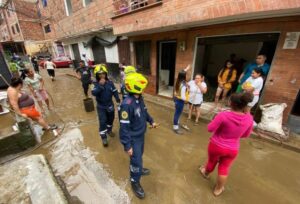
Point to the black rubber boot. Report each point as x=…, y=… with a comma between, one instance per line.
x=145, y=172
x=138, y=189
x=105, y=142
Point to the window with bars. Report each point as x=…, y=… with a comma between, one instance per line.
x=127, y=6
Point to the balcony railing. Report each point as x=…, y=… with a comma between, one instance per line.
x=122, y=7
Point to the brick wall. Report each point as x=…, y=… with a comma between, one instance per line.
x=31, y=31
x=25, y=10
x=283, y=82
x=29, y=23
x=10, y=21
x=285, y=66
x=52, y=14
x=93, y=17
x=174, y=13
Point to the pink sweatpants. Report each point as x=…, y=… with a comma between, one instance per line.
x=222, y=156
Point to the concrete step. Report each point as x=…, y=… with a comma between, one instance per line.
x=29, y=180
x=16, y=141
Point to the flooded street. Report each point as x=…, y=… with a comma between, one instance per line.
x=262, y=173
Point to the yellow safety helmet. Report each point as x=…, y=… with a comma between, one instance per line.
x=135, y=83
x=101, y=68
x=129, y=70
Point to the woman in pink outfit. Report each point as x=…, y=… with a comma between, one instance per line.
x=227, y=128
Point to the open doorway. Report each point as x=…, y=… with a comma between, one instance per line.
x=98, y=53
x=212, y=52
x=76, y=54
x=294, y=117
x=143, y=56
x=166, y=67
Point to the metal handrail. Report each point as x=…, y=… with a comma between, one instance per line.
x=127, y=6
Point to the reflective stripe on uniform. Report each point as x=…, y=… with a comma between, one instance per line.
x=103, y=132
x=125, y=121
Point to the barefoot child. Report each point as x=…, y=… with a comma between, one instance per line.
x=227, y=128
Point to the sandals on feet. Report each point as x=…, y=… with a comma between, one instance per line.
x=218, y=193
x=202, y=171
x=51, y=127
x=185, y=127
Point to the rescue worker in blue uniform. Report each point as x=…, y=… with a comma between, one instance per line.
x=133, y=125
x=104, y=90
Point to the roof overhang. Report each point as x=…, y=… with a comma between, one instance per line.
x=87, y=33
x=215, y=21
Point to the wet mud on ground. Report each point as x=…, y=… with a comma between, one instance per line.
x=262, y=173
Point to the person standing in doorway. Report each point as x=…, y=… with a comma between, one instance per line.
x=254, y=85
x=36, y=86
x=227, y=128
x=260, y=63
x=181, y=96
x=133, y=124
x=50, y=66
x=83, y=73
x=226, y=77
x=197, y=88
x=104, y=90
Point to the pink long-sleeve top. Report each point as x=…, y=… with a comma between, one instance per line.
x=228, y=127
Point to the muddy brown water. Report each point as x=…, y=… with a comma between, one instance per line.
x=262, y=173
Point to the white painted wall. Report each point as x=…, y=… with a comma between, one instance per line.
x=111, y=53
x=68, y=51
x=82, y=49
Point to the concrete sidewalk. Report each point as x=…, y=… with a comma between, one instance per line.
x=208, y=112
